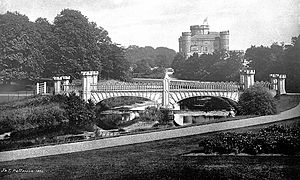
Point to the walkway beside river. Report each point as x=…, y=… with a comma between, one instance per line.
x=145, y=137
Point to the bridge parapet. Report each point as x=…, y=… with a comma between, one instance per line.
x=264, y=84
x=208, y=86
x=129, y=86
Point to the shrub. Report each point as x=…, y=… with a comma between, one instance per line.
x=31, y=117
x=273, y=139
x=257, y=100
x=151, y=114
x=79, y=113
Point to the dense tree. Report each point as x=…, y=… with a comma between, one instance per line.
x=142, y=67
x=29, y=50
x=20, y=53
x=263, y=59
x=115, y=66
x=219, y=66
x=77, y=44
x=157, y=59
x=257, y=100
x=278, y=58
x=177, y=63
x=290, y=65
x=48, y=41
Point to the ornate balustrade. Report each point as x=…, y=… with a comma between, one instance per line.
x=128, y=86
x=265, y=84
x=72, y=88
x=177, y=85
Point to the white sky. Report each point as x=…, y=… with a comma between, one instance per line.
x=160, y=22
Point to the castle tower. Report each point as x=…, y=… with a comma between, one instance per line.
x=195, y=30
x=224, y=40
x=204, y=29
x=185, y=43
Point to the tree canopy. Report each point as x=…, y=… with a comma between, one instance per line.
x=30, y=50
x=20, y=53
x=149, y=62
x=219, y=66
x=278, y=58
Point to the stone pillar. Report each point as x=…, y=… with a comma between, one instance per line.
x=87, y=80
x=278, y=83
x=95, y=80
x=274, y=78
x=65, y=83
x=166, y=88
x=281, y=84
x=57, y=85
x=45, y=88
x=37, y=88
x=247, y=78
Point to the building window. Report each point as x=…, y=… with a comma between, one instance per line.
x=205, y=48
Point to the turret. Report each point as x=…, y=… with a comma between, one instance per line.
x=278, y=83
x=204, y=29
x=246, y=78
x=185, y=43
x=195, y=30
x=224, y=40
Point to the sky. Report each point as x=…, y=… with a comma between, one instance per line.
x=159, y=23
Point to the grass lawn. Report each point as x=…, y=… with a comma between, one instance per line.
x=155, y=160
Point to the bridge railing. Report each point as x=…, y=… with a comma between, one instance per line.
x=209, y=86
x=265, y=84
x=72, y=88
x=128, y=86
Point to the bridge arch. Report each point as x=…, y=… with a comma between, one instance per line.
x=176, y=97
x=97, y=97
x=206, y=103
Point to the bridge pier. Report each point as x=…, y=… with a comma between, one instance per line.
x=246, y=78
x=278, y=83
x=57, y=85
x=166, y=89
x=65, y=83
x=89, y=83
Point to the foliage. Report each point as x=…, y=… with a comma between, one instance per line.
x=77, y=43
x=167, y=116
x=20, y=53
x=257, y=100
x=115, y=66
x=151, y=114
x=160, y=56
x=47, y=111
x=273, y=139
x=148, y=62
x=19, y=119
x=278, y=58
x=79, y=113
x=219, y=66
x=30, y=50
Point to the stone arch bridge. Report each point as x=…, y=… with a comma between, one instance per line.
x=166, y=92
